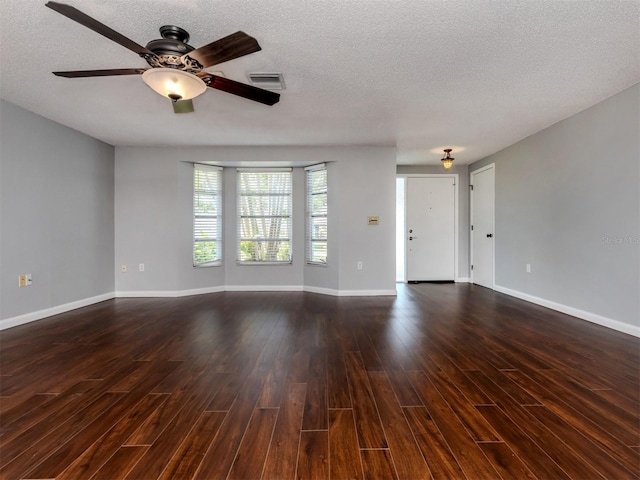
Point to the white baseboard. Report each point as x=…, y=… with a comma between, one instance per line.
x=48, y=312
x=168, y=293
x=321, y=290
x=367, y=293
x=263, y=288
x=463, y=280
x=147, y=294
x=575, y=312
x=256, y=288
x=350, y=293
x=199, y=291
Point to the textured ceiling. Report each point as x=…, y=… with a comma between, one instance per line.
x=419, y=75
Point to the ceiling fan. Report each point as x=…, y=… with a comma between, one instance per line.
x=176, y=68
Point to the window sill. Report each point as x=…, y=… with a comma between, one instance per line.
x=251, y=264
x=207, y=265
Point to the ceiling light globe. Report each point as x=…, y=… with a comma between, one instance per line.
x=172, y=83
x=447, y=161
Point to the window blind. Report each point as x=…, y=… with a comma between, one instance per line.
x=316, y=214
x=264, y=216
x=207, y=215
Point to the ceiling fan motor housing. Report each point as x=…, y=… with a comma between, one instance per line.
x=173, y=42
x=170, y=50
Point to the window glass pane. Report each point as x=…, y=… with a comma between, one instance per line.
x=317, y=214
x=319, y=250
x=264, y=216
x=207, y=217
x=319, y=228
x=264, y=228
x=265, y=251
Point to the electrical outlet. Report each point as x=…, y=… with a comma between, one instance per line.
x=141, y=267
x=22, y=281
x=359, y=266
x=123, y=268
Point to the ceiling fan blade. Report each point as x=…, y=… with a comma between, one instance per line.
x=183, y=106
x=243, y=90
x=101, y=73
x=84, y=19
x=233, y=46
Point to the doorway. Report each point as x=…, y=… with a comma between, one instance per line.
x=426, y=235
x=482, y=226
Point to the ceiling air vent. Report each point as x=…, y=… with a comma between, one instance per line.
x=268, y=81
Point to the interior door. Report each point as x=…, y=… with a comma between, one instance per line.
x=430, y=226
x=482, y=226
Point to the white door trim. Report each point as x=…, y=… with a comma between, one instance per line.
x=491, y=166
x=456, y=182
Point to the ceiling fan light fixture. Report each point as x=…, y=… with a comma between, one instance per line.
x=447, y=160
x=174, y=84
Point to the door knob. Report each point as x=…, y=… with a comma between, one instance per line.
x=411, y=238
x=489, y=235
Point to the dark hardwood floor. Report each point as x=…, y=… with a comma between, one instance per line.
x=443, y=382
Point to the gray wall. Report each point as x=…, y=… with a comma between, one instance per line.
x=56, y=213
x=366, y=187
x=567, y=202
x=153, y=220
x=463, y=206
x=147, y=224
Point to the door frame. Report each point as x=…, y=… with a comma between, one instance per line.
x=456, y=182
x=490, y=166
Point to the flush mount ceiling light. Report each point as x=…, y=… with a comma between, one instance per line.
x=174, y=84
x=447, y=160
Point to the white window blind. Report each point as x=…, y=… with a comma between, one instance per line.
x=207, y=215
x=317, y=211
x=264, y=216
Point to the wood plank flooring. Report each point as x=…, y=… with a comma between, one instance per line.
x=443, y=382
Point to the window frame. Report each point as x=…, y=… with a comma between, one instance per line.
x=310, y=215
x=217, y=193
x=239, y=215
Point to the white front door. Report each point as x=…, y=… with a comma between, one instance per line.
x=430, y=228
x=482, y=226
